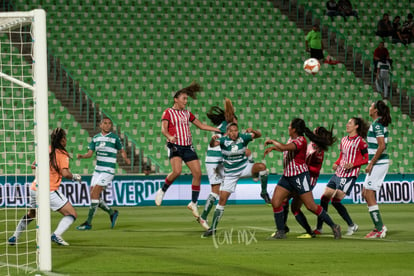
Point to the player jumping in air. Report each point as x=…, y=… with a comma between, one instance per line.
x=176, y=128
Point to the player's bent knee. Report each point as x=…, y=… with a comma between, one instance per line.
x=259, y=167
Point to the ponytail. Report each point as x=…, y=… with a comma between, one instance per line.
x=384, y=113
x=56, y=144
x=323, y=138
x=190, y=90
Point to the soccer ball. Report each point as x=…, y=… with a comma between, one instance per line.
x=311, y=66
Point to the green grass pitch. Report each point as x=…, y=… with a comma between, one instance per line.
x=167, y=241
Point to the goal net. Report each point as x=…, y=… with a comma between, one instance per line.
x=23, y=139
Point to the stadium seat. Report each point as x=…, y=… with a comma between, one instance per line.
x=233, y=53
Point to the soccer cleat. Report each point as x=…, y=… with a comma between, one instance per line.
x=159, y=196
x=113, y=218
x=193, y=208
x=318, y=231
x=12, y=240
x=57, y=239
x=336, y=229
x=208, y=233
x=383, y=233
x=287, y=229
x=203, y=223
x=377, y=234
x=278, y=235
x=266, y=197
x=306, y=236
x=84, y=226
x=372, y=235
x=352, y=229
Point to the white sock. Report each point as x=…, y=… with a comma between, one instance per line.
x=219, y=207
x=23, y=223
x=64, y=224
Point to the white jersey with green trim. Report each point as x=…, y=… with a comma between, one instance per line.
x=376, y=129
x=234, y=152
x=214, y=155
x=106, y=148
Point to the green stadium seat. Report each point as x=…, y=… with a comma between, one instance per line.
x=244, y=59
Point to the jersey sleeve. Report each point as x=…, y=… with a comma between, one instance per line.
x=300, y=143
x=223, y=127
x=307, y=37
x=118, y=144
x=363, y=147
x=247, y=138
x=362, y=159
x=165, y=115
x=91, y=145
x=62, y=161
x=192, y=117
x=221, y=140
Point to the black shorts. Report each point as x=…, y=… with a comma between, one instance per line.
x=345, y=184
x=316, y=53
x=186, y=153
x=298, y=184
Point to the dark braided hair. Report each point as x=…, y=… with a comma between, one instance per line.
x=191, y=90
x=383, y=112
x=323, y=138
x=55, y=140
x=363, y=127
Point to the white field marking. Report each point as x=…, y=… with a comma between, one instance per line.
x=259, y=228
x=32, y=270
x=328, y=235
x=383, y=239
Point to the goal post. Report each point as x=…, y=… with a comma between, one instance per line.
x=24, y=88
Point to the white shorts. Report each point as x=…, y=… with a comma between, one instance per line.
x=57, y=200
x=215, y=173
x=101, y=179
x=230, y=179
x=374, y=180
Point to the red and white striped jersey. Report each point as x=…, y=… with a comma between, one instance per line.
x=179, y=125
x=353, y=150
x=314, y=159
x=294, y=161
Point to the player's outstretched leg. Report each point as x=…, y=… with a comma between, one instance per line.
x=263, y=177
x=218, y=214
x=212, y=198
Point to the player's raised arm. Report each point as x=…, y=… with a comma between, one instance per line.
x=256, y=133
x=214, y=142
x=203, y=126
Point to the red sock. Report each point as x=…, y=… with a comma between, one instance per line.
x=278, y=210
x=167, y=181
x=166, y=185
x=319, y=210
